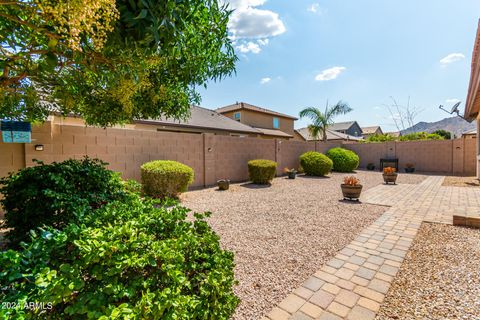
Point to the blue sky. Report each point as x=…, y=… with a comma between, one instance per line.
x=297, y=54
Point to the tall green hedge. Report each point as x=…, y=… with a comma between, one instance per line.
x=165, y=178
x=262, y=171
x=343, y=160
x=315, y=163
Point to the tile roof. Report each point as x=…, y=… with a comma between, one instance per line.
x=247, y=106
x=342, y=125
x=274, y=132
x=331, y=135
x=370, y=130
x=203, y=118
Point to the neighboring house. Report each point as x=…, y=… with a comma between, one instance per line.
x=350, y=127
x=472, y=106
x=370, y=131
x=201, y=120
x=270, y=123
x=303, y=134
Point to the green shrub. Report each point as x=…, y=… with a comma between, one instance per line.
x=165, y=178
x=380, y=138
x=343, y=160
x=133, y=186
x=128, y=260
x=315, y=163
x=421, y=136
x=56, y=194
x=443, y=133
x=262, y=171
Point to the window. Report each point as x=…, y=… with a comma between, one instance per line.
x=276, y=123
x=236, y=116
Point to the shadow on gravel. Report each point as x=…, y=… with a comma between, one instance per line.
x=350, y=201
x=250, y=185
x=313, y=177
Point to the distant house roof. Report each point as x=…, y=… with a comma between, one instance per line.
x=472, y=105
x=274, y=132
x=371, y=130
x=247, y=106
x=341, y=126
x=474, y=131
x=331, y=135
x=202, y=118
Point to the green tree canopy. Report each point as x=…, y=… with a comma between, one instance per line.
x=110, y=61
x=321, y=120
x=444, y=133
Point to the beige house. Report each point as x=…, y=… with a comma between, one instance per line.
x=270, y=123
x=472, y=106
x=370, y=131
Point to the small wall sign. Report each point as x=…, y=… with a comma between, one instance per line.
x=16, y=131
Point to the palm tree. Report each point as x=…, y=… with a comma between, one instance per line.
x=322, y=120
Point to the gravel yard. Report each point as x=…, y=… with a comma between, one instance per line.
x=283, y=233
x=461, y=181
x=440, y=277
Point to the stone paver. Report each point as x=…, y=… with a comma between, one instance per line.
x=353, y=284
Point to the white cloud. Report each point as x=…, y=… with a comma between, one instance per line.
x=265, y=80
x=249, y=47
x=452, y=57
x=452, y=101
x=330, y=74
x=249, y=22
x=314, y=8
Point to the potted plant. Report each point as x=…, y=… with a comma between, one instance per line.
x=292, y=173
x=370, y=166
x=409, y=167
x=390, y=175
x=351, y=188
x=223, y=184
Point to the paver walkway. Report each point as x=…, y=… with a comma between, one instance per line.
x=353, y=284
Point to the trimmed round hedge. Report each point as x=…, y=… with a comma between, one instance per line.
x=165, y=178
x=261, y=171
x=315, y=163
x=343, y=160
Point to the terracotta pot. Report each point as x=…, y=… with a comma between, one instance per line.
x=390, y=178
x=223, y=184
x=351, y=192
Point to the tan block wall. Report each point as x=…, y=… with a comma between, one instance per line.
x=262, y=120
x=368, y=152
x=124, y=149
x=233, y=153
x=216, y=157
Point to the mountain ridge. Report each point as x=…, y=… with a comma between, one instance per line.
x=456, y=125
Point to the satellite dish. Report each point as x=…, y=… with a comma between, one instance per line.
x=455, y=107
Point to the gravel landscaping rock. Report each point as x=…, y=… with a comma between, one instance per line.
x=283, y=233
x=461, y=182
x=440, y=277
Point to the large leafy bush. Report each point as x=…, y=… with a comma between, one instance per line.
x=261, y=171
x=165, y=178
x=315, y=163
x=56, y=194
x=128, y=260
x=343, y=160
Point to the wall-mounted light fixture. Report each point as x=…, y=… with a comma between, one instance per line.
x=39, y=147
